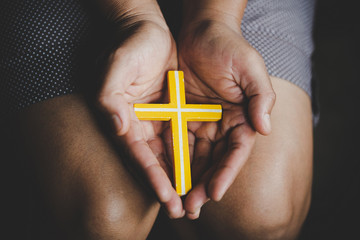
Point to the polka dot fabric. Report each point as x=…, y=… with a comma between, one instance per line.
x=39, y=48
x=281, y=31
x=40, y=45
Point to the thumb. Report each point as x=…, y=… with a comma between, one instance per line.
x=117, y=108
x=111, y=97
x=261, y=101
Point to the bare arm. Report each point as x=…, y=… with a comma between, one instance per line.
x=231, y=11
x=220, y=66
x=132, y=10
x=135, y=72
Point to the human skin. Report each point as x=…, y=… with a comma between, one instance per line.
x=135, y=73
x=270, y=197
x=112, y=197
x=86, y=186
x=89, y=191
x=221, y=67
x=241, y=76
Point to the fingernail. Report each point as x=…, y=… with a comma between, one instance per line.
x=117, y=123
x=194, y=215
x=219, y=196
x=175, y=216
x=267, y=122
x=183, y=213
x=175, y=213
x=168, y=213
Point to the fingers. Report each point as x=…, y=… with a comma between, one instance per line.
x=155, y=174
x=122, y=84
x=258, y=90
x=164, y=190
x=111, y=97
x=202, y=153
x=217, y=180
x=158, y=179
x=191, y=141
x=168, y=145
x=197, y=198
x=157, y=147
x=205, y=135
x=240, y=143
x=117, y=108
x=260, y=106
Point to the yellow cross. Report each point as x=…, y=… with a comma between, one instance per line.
x=179, y=113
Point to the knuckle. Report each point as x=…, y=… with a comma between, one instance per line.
x=164, y=195
x=103, y=100
x=253, y=57
x=113, y=217
x=271, y=96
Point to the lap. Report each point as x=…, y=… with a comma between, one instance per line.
x=80, y=171
x=85, y=183
x=271, y=195
x=273, y=187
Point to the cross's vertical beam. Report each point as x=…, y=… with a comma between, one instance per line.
x=182, y=173
x=179, y=113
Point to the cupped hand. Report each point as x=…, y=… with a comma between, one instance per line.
x=221, y=67
x=135, y=73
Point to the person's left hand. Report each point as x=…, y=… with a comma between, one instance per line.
x=221, y=67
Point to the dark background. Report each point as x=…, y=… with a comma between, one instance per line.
x=335, y=209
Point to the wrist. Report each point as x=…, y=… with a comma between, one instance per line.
x=127, y=13
x=229, y=12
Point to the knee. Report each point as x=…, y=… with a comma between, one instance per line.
x=266, y=217
x=115, y=217
x=266, y=221
x=260, y=221
x=268, y=212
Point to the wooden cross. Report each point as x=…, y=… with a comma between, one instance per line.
x=179, y=113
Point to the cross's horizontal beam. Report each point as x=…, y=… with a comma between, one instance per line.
x=179, y=113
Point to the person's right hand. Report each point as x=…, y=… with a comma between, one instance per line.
x=135, y=73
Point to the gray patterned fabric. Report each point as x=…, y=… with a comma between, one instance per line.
x=281, y=31
x=40, y=42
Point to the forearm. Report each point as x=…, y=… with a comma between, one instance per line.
x=228, y=11
x=131, y=10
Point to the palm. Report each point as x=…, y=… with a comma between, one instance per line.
x=223, y=147
x=148, y=65
x=220, y=67
x=136, y=74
